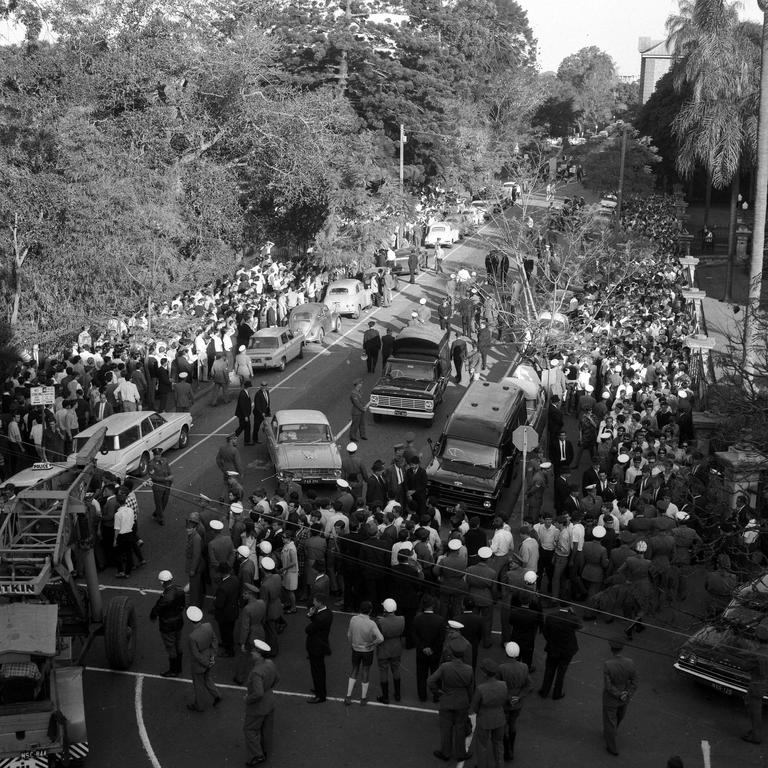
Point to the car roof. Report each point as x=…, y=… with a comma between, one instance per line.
x=31, y=476
x=348, y=283
x=301, y=416
x=117, y=422
x=311, y=306
x=267, y=332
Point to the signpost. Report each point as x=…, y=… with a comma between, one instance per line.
x=42, y=395
x=525, y=439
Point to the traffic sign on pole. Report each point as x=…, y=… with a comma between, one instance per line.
x=525, y=438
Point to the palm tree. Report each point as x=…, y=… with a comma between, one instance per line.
x=761, y=198
x=716, y=125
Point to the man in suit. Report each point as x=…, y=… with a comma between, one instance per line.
x=452, y=684
x=591, y=476
x=371, y=346
x=619, y=686
x=202, y=647
x=416, y=486
x=243, y=411
x=561, y=453
x=560, y=628
x=395, y=477
x=261, y=409
x=428, y=634
x=226, y=607
x=562, y=491
x=376, y=493
x=387, y=345
x=318, y=645
x=554, y=419
x=357, y=430
x=258, y=725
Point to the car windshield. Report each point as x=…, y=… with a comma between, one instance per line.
x=399, y=369
x=108, y=445
x=304, y=433
x=264, y=342
x=343, y=291
x=470, y=453
x=441, y=228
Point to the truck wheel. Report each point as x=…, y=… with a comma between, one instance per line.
x=120, y=632
x=183, y=437
x=376, y=417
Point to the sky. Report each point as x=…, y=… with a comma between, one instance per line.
x=562, y=27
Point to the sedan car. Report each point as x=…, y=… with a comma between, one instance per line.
x=131, y=436
x=347, y=297
x=275, y=347
x=302, y=448
x=313, y=320
x=442, y=233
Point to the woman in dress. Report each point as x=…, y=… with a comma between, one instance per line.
x=290, y=562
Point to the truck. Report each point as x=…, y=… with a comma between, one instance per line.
x=48, y=621
x=416, y=375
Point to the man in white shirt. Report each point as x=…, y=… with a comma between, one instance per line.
x=127, y=393
x=124, y=520
x=529, y=549
x=502, y=543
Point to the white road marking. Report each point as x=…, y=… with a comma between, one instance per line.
x=140, y=676
x=143, y=735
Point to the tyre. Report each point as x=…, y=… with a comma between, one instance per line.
x=301, y=351
x=356, y=313
x=183, y=437
x=321, y=336
x=143, y=467
x=376, y=417
x=120, y=632
x=281, y=367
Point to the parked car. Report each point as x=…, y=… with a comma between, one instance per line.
x=131, y=436
x=442, y=233
x=313, y=320
x=275, y=347
x=302, y=448
x=721, y=654
x=347, y=297
x=464, y=223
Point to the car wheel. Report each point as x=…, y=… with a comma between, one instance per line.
x=356, y=313
x=301, y=351
x=183, y=437
x=281, y=367
x=321, y=336
x=143, y=467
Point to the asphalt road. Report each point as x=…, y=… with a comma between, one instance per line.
x=138, y=719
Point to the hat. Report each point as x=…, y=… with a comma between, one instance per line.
x=616, y=643
x=260, y=645
x=414, y=314
x=641, y=546
x=423, y=300
x=241, y=348
x=231, y=472
x=265, y=547
x=589, y=388
x=453, y=624
x=545, y=465
x=216, y=525
x=456, y=648
x=529, y=577
x=267, y=563
x=183, y=375
x=489, y=667
x=606, y=395
x=623, y=458
x=194, y=613
x=484, y=553
x=351, y=447
x=682, y=393
x=454, y=544
x=251, y=588
x=165, y=576
x=377, y=465
x=591, y=486
x=453, y=275
x=243, y=551
x=342, y=483
x=512, y=650
x=681, y=515
x=236, y=508
x=389, y=605
x=598, y=532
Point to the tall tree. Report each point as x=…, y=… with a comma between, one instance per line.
x=591, y=74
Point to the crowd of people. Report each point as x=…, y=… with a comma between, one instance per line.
x=616, y=522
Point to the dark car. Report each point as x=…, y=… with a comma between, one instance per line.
x=721, y=654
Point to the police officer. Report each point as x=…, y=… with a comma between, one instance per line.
x=517, y=677
x=169, y=611
x=392, y=628
x=162, y=479
x=371, y=346
x=619, y=685
x=259, y=721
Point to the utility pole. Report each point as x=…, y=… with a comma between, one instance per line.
x=403, y=139
x=620, y=195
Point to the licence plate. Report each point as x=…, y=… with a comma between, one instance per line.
x=722, y=689
x=311, y=479
x=401, y=413
x=29, y=754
